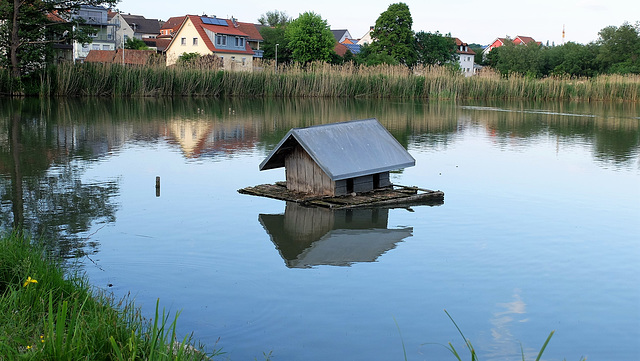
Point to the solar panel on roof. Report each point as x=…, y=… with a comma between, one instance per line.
x=213, y=21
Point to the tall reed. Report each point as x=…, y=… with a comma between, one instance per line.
x=319, y=80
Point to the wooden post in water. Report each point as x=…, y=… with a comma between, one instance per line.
x=158, y=186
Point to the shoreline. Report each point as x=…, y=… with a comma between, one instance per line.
x=318, y=80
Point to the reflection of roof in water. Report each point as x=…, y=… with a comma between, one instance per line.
x=202, y=138
x=342, y=247
x=307, y=237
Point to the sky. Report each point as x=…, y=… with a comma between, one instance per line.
x=479, y=22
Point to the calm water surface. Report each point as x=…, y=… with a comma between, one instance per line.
x=539, y=231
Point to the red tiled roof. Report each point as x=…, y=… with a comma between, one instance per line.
x=100, y=56
x=162, y=43
x=459, y=43
x=173, y=23
x=251, y=30
x=54, y=17
x=218, y=29
x=525, y=39
x=134, y=57
x=340, y=49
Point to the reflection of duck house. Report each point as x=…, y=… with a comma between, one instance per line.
x=312, y=236
x=338, y=159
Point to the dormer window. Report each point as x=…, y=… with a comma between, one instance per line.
x=221, y=40
x=239, y=42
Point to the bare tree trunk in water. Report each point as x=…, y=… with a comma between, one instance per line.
x=16, y=174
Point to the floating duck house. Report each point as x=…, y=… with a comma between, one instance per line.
x=339, y=158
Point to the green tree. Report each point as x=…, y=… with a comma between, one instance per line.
x=435, y=48
x=309, y=38
x=573, y=59
x=478, y=58
x=392, y=34
x=620, y=48
x=273, y=36
x=366, y=57
x=274, y=18
x=528, y=60
x=27, y=32
x=135, y=44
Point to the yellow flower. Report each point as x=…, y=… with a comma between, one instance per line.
x=41, y=338
x=28, y=347
x=29, y=280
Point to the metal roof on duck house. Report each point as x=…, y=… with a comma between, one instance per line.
x=344, y=150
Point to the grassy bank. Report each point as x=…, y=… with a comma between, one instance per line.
x=47, y=315
x=316, y=80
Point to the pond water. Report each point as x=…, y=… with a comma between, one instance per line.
x=539, y=230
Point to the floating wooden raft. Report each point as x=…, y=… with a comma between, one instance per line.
x=394, y=196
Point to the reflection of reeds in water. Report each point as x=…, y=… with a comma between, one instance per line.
x=324, y=80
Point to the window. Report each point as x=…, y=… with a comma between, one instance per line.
x=221, y=40
x=239, y=42
x=106, y=47
x=109, y=36
x=95, y=47
x=183, y=41
x=195, y=41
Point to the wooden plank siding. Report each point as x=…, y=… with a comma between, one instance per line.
x=307, y=224
x=304, y=175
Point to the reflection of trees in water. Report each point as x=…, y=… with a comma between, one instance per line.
x=42, y=191
x=36, y=135
x=612, y=128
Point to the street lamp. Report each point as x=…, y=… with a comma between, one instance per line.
x=277, y=58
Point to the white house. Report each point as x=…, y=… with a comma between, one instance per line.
x=104, y=39
x=465, y=57
x=366, y=38
x=212, y=36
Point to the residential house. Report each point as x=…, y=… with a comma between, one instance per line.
x=339, y=158
x=341, y=49
x=341, y=35
x=255, y=40
x=62, y=46
x=366, y=38
x=133, y=26
x=171, y=26
x=167, y=30
x=465, y=57
x=501, y=41
x=104, y=39
x=212, y=36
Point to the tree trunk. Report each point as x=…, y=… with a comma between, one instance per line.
x=16, y=172
x=15, y=40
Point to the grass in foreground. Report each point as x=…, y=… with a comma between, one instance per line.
x=47, y=316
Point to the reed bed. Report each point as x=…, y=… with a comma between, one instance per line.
x=316, y=80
